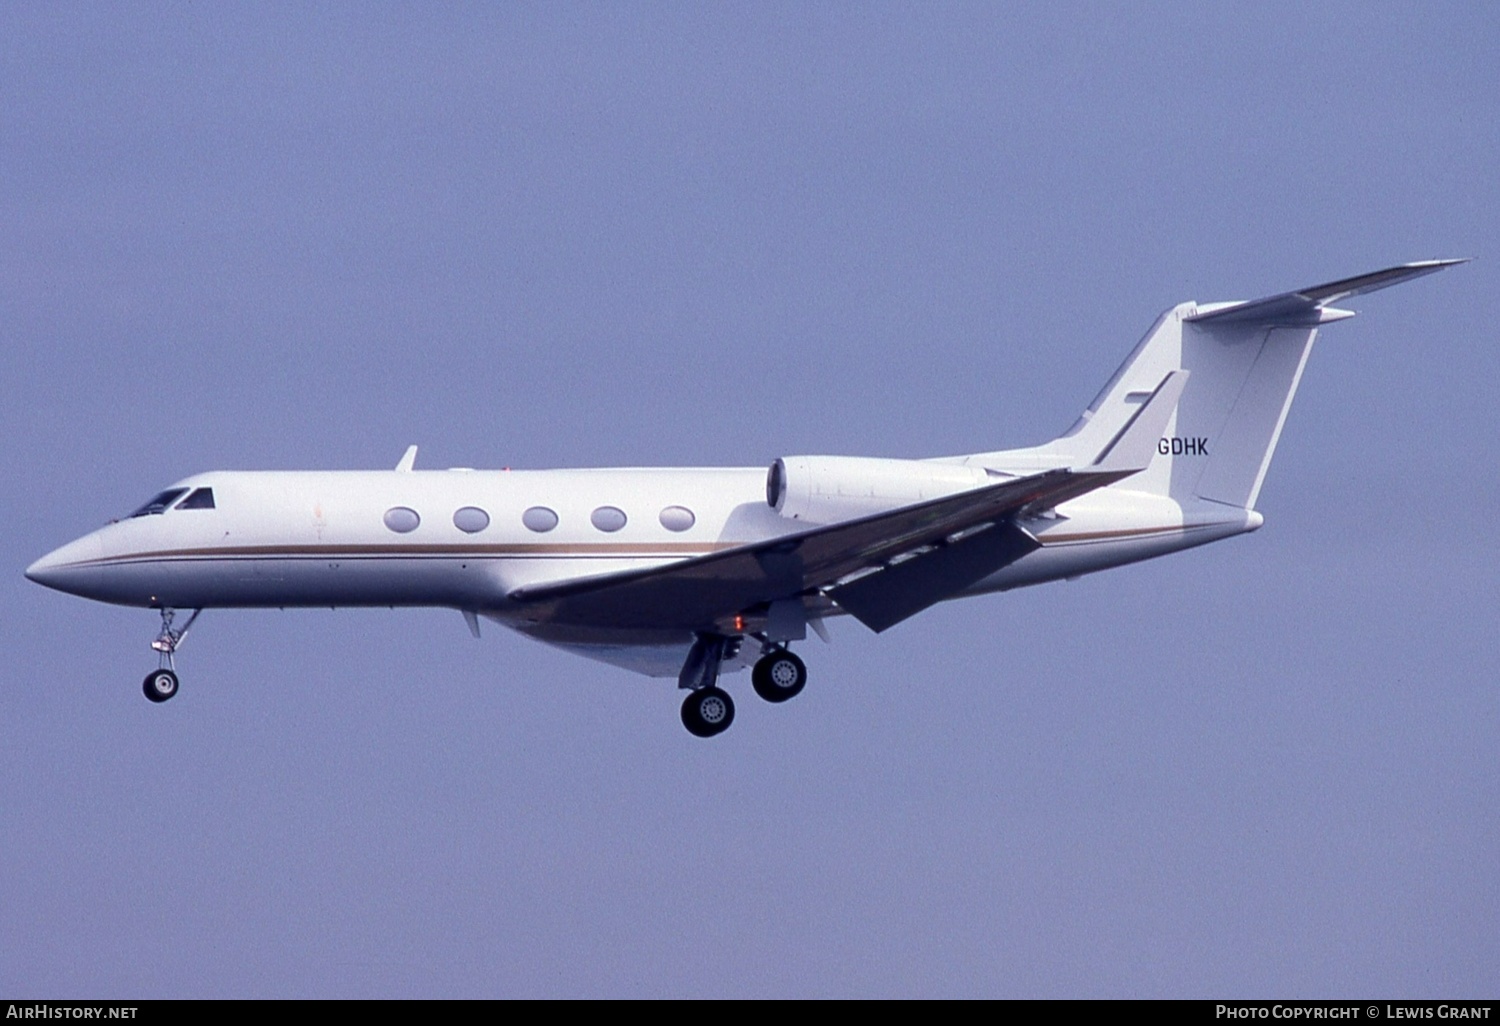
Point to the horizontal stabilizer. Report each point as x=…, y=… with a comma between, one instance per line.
x=1311, y=305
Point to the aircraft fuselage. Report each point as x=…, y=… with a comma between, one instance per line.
x=311, y=538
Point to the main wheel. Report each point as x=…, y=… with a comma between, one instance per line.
x=160, y=685
x=778, y=676
x=707, y=711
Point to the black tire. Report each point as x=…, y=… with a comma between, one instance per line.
x=779, y=675
x=160, y=685
x=707, y=711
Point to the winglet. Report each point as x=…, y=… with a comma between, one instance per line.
x=408, y=460
x=1131, y=450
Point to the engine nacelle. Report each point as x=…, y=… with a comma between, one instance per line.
x=828, y=489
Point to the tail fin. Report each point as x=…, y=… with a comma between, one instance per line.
x=1245, y=360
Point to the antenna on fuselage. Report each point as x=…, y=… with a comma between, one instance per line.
x=408, y=460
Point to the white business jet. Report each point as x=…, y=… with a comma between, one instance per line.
x=692, y=572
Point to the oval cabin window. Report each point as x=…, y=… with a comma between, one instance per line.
x=401, y=519
x=539, y=519
x=471, y=520
x=677, y=518
x=608, y=518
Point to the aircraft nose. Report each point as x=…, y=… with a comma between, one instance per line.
x=61, y=568
x=44, y=570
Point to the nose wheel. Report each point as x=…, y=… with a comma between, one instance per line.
x=161, y=683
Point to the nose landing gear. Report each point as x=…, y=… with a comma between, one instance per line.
x=161, y=684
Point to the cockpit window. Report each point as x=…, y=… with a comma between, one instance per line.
x=202, y=498
x=159, y=503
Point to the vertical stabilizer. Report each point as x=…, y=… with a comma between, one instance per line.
x=1244, y=362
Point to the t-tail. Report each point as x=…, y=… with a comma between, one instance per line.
x=1244, y=361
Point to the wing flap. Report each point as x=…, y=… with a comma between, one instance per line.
x=882, y=600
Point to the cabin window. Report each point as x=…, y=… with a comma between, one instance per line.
x=160, y=502
x=471, y=520
x=401, y=519
x=202, y=498
x=539, y=519
x=607, y=518
x=677, y=518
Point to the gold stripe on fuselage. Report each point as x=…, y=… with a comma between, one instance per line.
x=641, y=549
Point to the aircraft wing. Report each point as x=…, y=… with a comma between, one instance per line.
x=906, y=559
x=701, y=593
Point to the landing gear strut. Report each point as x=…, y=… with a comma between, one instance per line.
x=708, y=709
x=161, y=684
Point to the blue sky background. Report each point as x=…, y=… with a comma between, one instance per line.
x=576, y=235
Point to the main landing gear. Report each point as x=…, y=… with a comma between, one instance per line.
x=708, y=710
x=779, y=675
x=161, y=684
